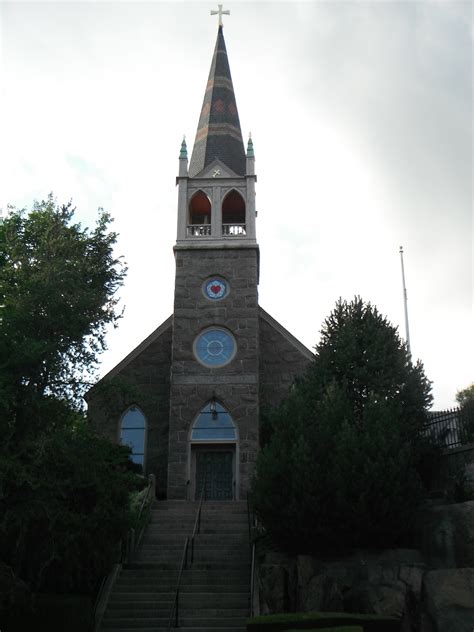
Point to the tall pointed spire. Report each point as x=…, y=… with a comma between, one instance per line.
x=219, y=134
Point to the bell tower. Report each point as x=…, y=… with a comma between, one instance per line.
x=214, y=405
x=219, y=169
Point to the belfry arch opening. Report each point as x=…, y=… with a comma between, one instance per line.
x=199, y=219
x=233, y=214
x=213, y=454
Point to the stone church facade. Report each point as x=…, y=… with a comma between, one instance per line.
x=188, y=398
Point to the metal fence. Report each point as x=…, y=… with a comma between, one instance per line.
x=451, y=428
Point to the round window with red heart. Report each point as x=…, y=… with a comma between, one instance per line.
x=215, y=289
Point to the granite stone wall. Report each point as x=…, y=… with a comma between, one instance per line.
x=165, y=380
x=282, y=360
x=235, y=385
x=430, y=589
x=143, y=381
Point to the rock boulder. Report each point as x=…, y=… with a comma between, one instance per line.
x=448, y=600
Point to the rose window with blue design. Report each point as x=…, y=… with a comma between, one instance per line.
x=215, y=347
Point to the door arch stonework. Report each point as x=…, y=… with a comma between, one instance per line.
x=213, y=454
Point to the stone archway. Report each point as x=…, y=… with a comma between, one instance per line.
x=213, y=454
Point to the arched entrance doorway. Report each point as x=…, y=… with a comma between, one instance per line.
x=213, y=454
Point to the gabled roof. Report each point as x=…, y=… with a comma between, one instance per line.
x=309, y=355
x=219, y=135
x=141, y=347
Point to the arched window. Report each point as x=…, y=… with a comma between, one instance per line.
x=233, y=214
x=199, y=215
x=213, y=424
x=132, y=433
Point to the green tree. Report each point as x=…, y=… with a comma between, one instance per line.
x=340, y=468
x=465, y=396
x=64, y=509
x=465, y=399
x=57, y=290
x=63, y=491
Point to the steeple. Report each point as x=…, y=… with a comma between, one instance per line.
x=219, y=135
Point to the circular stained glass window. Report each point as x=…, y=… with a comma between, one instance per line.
x=215, y=289
x=215, y=347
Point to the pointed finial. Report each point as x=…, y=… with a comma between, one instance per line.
x=250, y=152
x=220, y=13
x=184, y=150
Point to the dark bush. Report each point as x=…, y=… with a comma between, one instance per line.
x=341, y=466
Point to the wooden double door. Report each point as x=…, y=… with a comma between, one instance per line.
x=215, y=471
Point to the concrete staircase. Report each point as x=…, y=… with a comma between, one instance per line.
x=214, y=593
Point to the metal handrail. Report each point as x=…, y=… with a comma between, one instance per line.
x=175, y=607
x=149, y=492
x=133, y=542
x=125, y=554
x=252, y=579
x=252, y=524
x=197, y=522
x=184, y=561
x=249, y=521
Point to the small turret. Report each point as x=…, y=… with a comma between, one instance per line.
x=250, y=157
x=183, y=159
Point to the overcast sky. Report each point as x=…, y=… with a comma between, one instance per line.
x=361, y=116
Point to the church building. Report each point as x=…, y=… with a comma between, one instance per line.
x=188, y=399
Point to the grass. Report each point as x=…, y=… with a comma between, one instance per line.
x=323, y=621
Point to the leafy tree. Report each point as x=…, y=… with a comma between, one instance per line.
x=63, y=491
x=340, y=468
x=465, y=399
x=58, y=283
x=64, y=509
x=465, y=396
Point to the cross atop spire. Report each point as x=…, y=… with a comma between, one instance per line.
x=220, y=13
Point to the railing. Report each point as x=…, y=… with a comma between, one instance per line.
x=199, y=230
x=234, y=230
x=197, y=522
x=228, y=230
x=252, y=524
x=125, y=556
x=174, y=614
x=451, y=428
x=175, y=608
x=133, y=540
x=103, y=597
x=252, y=581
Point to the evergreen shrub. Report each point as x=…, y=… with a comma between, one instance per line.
x=341, y=467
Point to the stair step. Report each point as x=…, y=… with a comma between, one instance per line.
x=120, y=598
x=185, y=612
x=155, y=570
x=214, y=591
x=234, y=628
x=156, y=622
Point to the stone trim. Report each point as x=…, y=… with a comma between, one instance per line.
x=206, y=172
x=217, y=244
x=286, y=334
x=215, y=379
x=141, y=347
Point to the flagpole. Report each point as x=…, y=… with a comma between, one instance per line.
x=405, y=302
